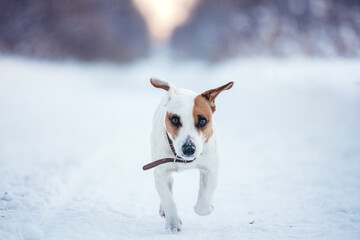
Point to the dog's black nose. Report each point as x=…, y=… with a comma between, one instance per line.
x=188, y=148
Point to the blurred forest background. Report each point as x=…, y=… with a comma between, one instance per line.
x=115, y=30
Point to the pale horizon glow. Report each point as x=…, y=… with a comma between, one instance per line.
x=164, y=16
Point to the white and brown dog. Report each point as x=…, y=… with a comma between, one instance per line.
x=184, y=137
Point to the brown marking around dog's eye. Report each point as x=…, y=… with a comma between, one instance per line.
x=202, y=109
x=170, y=127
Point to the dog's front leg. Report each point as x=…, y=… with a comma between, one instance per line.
x=163, y=182
x=208, y=183
x=161, y=209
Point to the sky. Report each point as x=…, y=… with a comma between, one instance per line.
x=162, y=17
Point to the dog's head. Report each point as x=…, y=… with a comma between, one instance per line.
x=188, y=118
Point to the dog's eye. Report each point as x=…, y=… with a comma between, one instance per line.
x=202, y=122
x=175, y=120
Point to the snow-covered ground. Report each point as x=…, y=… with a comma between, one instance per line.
x=74, y=138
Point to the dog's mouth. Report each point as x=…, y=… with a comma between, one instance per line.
x=188, y=158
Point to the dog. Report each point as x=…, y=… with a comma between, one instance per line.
x=184, y=137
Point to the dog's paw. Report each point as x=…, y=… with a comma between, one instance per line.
x=203, y=210
x=161, y=211
x=173, y=224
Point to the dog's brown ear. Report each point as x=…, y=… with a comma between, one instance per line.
x=213, y=93
x=158, y=83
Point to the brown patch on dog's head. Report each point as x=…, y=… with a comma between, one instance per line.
x=213, y=93
x=202, y=110
x=172, y=129
x=204, y=107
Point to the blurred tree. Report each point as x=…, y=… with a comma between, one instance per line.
x=82, y=29
x=220, y=29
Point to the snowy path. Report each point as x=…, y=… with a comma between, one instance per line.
x=73, y=139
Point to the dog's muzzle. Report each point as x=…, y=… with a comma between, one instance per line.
x=188, y=148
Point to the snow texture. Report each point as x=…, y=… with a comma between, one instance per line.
x=74, y=138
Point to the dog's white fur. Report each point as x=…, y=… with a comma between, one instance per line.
x=181, y=102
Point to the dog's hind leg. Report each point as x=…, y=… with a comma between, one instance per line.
x=163, y=182
x=208, y=183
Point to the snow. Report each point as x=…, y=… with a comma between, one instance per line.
x=74, y=138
